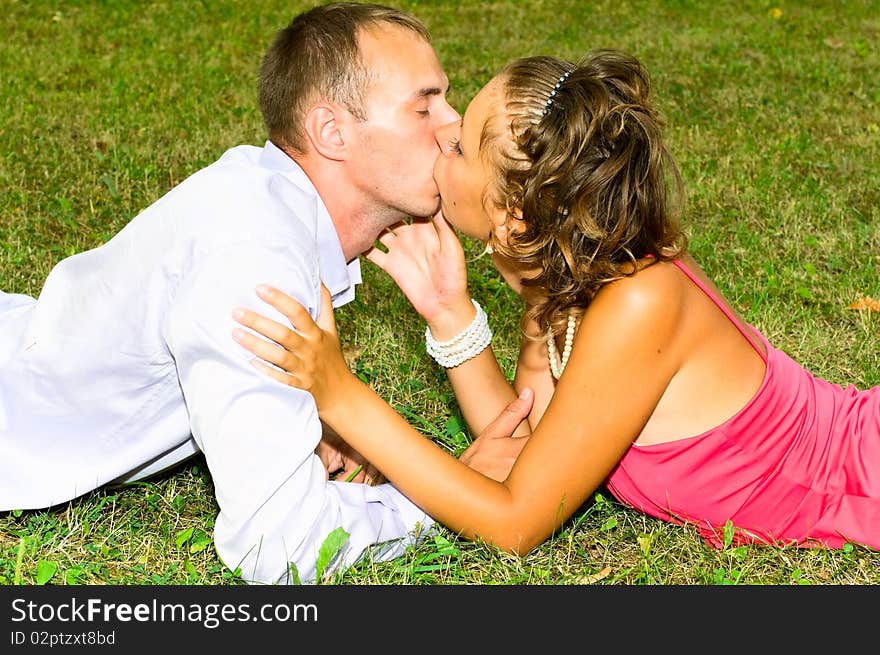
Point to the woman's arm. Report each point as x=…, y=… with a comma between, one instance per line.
x=533, y=372
x=532, y=367
x=621, y=363
x=426, y=260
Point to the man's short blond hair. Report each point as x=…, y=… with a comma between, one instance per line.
x=317, y=57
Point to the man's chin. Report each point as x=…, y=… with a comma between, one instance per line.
x=428, y=213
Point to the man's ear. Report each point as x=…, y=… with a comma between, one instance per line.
x=324, y=127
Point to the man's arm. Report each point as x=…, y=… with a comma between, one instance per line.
x=259, y=439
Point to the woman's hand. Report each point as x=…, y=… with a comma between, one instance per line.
x=311, y=359
x=494, y=451
x=426, y=260
x=308, y=355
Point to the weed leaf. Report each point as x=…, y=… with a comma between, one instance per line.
x=334, y=541
x=45, y=571
x=183, y=536
x=199, y=542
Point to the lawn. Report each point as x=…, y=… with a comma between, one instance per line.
x=773, y=113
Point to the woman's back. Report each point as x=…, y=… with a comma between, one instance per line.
x=721, y=360
x=792, y=464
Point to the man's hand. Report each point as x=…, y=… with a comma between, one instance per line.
x=342, y=462
x=494, y=452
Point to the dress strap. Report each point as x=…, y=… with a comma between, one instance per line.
x=722, y=306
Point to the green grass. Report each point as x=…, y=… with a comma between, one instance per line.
x=773, y=117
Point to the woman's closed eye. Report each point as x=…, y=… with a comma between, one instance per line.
x=455, y=147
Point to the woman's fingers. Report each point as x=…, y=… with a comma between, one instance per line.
x=392, y=262
x=266, y=326
x=289, y=379
x=378, y=257
x=387, y=237
x=420, y=233
x=445, y=233
x=326, y=319
x=265, y=350
x=298, y=315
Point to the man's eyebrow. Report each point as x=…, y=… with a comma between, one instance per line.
x=429, y=91
x=432, y=91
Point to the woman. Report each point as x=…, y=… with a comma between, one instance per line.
x=661, y=390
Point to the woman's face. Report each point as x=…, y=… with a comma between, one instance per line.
x=461, y=173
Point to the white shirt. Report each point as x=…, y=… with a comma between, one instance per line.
x=125, y=365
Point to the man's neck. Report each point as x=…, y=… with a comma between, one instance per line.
x=356, y=224
x=335, y=202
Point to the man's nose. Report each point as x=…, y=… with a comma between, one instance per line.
x=453, y=114
x=448, y=114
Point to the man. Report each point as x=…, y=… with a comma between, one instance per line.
x=125, y=365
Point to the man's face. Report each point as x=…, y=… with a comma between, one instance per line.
x=395, y=148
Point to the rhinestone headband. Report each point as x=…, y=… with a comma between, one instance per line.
x=552, y=95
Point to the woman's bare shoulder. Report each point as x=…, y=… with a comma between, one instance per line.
x=654, y=291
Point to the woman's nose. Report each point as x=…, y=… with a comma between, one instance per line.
x=447, y=134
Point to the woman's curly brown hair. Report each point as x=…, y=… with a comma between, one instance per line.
x=587, y=171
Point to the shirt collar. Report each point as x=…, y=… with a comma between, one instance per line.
x=339, y=278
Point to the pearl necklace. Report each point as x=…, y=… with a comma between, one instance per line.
x=557, y=364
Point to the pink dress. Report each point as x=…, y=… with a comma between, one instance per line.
x=799, y=464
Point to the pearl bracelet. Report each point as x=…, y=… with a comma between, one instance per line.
x=465, y=345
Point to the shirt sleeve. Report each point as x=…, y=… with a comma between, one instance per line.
x=276, y=506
